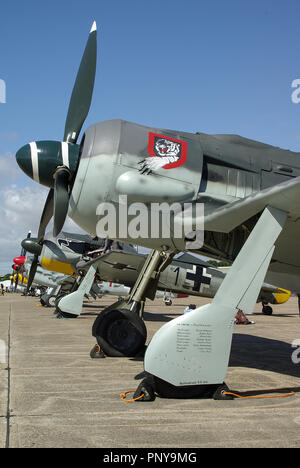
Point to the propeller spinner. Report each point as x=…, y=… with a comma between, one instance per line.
x=54, y=163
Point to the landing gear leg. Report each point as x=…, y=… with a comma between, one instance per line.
x=120, y=329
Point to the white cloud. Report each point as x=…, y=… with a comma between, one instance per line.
x=9, y=169
x=21, y=207
x=20, y=211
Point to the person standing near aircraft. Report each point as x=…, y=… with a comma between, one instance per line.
x=241, y=319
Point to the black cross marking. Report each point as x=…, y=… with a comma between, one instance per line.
x=198, y=278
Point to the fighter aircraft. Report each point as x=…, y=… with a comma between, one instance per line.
x=78, y=255
x=42, y=276
x=22, y=266
x=18, y=268
x=91, y=269
x=238, y=199
x=71, y=256
x=19, y=280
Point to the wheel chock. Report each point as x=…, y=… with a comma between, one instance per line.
x=96, y=352
x=221, y=393
x=145, y=391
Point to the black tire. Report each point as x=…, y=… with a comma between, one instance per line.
x=267, y=310
x=120, y=333
x=43, y=300
x=166, y=390
x=51, y=301
x=58, y=298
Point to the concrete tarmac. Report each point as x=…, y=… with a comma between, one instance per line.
x=52, y=394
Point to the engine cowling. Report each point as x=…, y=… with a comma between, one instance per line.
x=125, y=163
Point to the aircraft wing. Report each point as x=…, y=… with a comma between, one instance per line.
x=120, y=260
x=284, y=196
x=64, y=280
x=187, y=259
x=116, y=266
x=284, y=268
x=272, y=289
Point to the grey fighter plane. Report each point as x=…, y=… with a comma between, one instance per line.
x=75, y=256
x=43, y=277
x=239, y=200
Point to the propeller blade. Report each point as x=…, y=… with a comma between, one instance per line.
x=46, y=215
x=61, y=199
x=56, y=250
x=83, y=89
x=32, y=272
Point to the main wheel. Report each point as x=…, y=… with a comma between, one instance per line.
x=120, y=333
x=267, y=310
x=43, y=300
x=51, y=301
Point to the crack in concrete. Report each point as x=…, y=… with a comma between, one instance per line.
x=8, y=382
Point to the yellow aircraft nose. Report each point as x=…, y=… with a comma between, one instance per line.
x=59, y=267
x=280, y=298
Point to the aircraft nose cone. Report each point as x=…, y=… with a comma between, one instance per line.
x=23, y=157
x=31, y=246
x=19, y=260
x=40, y=159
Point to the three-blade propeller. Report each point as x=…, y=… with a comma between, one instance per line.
x=54, y=163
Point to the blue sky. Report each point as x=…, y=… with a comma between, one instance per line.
x=215, y=67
